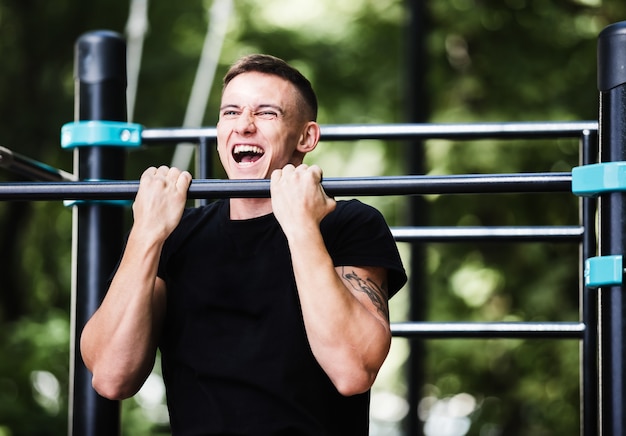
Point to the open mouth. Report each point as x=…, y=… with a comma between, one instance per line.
x=247, y=154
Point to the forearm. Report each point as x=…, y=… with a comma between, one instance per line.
x=118, y=344
x=348, y=331
x=349, y=337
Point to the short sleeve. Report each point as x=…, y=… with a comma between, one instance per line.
x=357, y=234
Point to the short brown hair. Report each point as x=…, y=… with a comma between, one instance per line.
x=262, y=63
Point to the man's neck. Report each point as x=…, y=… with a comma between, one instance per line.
x=247, y=208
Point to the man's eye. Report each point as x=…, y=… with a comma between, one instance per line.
x=266, y=115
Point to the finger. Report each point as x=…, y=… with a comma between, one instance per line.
x=302, y=168
x=276, y=175
x=149, y=172
x=172, y=173
x=184, y=180
x=316, y=169
x=313, y=173
x=163, y=170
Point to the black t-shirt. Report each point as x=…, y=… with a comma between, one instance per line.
x=235, y=355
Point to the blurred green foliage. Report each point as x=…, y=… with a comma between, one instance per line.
x=511, y=60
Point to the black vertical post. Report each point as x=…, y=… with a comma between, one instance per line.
x=100, y=78
x=204, y=164
x=612, y=237
x=589, y=301
x=417, y=108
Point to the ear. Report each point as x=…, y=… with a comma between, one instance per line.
x=309, y=138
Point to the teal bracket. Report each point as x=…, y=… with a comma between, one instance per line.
x=603, y=271
x=595, y=179
x=120, y=203
x=100, y=133
x=592, y=181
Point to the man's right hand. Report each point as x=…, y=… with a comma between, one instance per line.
x=161, y=199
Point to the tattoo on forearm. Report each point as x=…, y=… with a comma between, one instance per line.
x=377, y=293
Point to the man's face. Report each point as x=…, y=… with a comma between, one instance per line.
x=259, y=126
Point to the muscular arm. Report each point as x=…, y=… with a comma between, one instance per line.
x=344, y=309
x=345, y=315
x=118, y=343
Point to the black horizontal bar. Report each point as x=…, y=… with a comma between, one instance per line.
x=477, y=330
x=511, y=130
x=367, y=186
x=457, y=234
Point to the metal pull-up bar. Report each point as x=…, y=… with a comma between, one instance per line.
x=397, y=132
x=366, y=186
x=482, y=330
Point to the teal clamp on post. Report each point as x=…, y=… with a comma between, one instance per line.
x=603, y=271
x=593, y=180
x=100, y=133
x=121, y=203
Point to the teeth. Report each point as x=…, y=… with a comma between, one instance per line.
x=245, y=148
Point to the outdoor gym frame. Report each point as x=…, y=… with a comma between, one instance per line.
x=599, y=181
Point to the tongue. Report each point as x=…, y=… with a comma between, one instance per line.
x=250, y=158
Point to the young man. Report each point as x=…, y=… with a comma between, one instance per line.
x=270, y=313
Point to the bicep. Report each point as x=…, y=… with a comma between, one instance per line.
x=369, y=286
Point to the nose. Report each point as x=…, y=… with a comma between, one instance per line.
x=245, y=123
